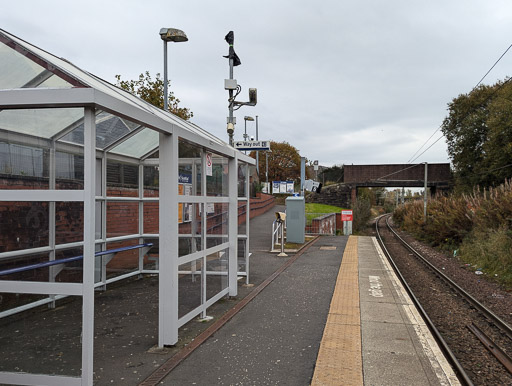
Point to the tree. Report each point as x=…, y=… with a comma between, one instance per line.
x=478, y=132
x=334, y=174
x=152, y=91
x=283, y=162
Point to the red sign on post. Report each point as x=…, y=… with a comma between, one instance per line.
x=346, y=215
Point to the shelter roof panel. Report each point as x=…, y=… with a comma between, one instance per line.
x=138, y=145
x=41, y=69
x=43, y=123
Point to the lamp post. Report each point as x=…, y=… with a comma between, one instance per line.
x=246, y=118
x=170, y=35
x=257, y=152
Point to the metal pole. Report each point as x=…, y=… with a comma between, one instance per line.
x=302, y=174
x=282, y=254
x=257, y=152
x=231, y=142
x=425, y=195
x=166, y=102
x=266, y=167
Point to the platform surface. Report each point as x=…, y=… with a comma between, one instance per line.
x=374, y=335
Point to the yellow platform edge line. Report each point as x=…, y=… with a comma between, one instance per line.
x=339, y=360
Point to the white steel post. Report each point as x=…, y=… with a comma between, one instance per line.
x=141, y=217
x=233, y=224
x=203, y=233
x=168, y=259
x=51, y=218
x=89, y=246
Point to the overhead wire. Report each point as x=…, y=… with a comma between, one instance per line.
x=412, y=159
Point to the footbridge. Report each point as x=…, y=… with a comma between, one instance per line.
x=398, y=176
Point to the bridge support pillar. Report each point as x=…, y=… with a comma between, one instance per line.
x=353, y=194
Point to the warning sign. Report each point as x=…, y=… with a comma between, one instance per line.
x=209, y=164
x=346, y=215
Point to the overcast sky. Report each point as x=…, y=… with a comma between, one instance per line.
x=360, y=82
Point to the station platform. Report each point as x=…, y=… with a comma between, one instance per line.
x=374, y=334
x=337, y=316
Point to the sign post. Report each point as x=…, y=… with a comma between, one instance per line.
x=347, y=217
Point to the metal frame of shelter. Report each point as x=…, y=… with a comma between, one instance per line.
x=49, y=104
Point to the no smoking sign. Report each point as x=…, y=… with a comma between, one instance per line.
x=209, y=164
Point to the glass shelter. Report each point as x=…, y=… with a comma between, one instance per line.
x=98, y=186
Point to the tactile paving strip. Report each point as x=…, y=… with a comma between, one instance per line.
x=339, y=360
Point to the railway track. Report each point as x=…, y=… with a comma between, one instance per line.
x=476, y=341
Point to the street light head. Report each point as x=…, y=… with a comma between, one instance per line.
x=247, y=118
x=173, y=35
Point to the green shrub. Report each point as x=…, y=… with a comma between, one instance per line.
x=490, y=252
x=479, y=224
x=362, y=214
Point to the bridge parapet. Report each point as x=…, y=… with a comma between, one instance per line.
x=397, y=175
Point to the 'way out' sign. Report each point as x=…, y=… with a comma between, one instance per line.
x=252, y=145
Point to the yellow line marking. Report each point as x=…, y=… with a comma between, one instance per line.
x=339, y=360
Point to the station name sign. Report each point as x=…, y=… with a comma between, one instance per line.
x=252, y=145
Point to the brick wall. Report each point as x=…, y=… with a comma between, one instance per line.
x=25, y=224
x=363, y=173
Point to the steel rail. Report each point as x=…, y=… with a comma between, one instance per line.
x=493, y=348
x=437, y=335
x=503, y=326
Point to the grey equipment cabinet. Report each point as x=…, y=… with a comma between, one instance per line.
x=295, y=219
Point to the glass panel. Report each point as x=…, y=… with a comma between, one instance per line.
x=122, y=218
x=217, y=183
x=151, y=259
x=69, y=222
x=138, y=145
x=151, y=181
x=242, y=263
x=121, y=263
x=216, y=224
x=109, y=128
x=151, y=217
x=38, y=274
x=189, y=229
x=122, y=179
x=44, y=342
x=189, y=286
x=70, y=272
x=23, y=225
x=69, y=170
x=24, y=167
x=55, y=82
x=16, y=70
x=217, y=270
x=190, y=166
x=242, y=179
x=242, y=216
x=43, y=123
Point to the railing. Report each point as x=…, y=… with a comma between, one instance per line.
x=276, y=233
